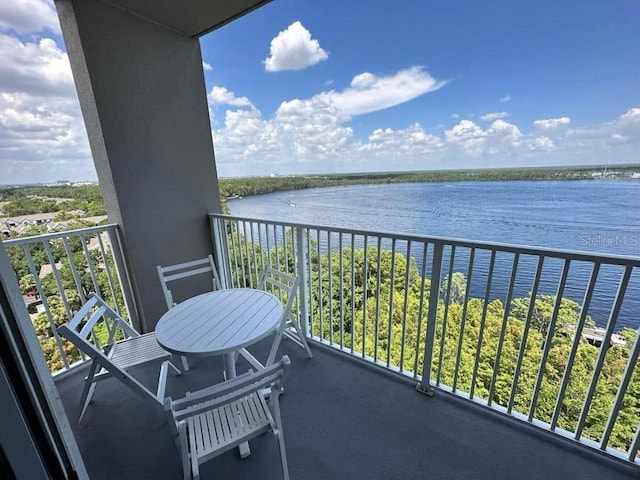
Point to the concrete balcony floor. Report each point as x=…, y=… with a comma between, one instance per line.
x=342, y=419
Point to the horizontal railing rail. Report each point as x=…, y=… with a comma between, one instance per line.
x=57, y=272
x=501, y=325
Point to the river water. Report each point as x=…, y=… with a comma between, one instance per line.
x=594, y=216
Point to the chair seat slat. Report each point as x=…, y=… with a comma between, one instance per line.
x=138, y=351
x=251, y=419
x=230, y=423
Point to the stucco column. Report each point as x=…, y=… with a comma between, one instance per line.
x=143, y=98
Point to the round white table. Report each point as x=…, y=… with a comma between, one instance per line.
x=220, y=323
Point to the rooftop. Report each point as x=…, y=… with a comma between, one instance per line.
x=342, y=418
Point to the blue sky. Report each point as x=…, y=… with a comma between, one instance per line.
x=337, y=86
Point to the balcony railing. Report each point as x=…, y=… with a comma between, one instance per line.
x=57, y=272
x=369, y=294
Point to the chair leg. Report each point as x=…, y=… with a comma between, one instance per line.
x=301, y=338
x=283, y=456
x=176, y=369
x=283, y=451
x=162, y=380
x=185, y=364
x=274, y=348
x=88, y=390
x=224, y=368
x=184, y=450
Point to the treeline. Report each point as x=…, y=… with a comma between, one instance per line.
x=46, y=199
x=41, y=199
x=233, y=187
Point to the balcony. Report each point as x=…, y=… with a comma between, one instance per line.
x=353, y=411
x=342, y=419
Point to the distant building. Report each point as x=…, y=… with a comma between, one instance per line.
x=25, y=220
x=595, y=336
x=46, y=269
x=82, y=184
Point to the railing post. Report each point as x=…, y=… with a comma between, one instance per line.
x=436, y=266
x=222, y=251
x=123, y=277
x=301, y=267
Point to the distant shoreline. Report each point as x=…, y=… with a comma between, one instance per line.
x=235, y=188
x=85, y=196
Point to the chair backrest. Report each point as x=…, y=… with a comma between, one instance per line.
x=222, y=394
x=281, y=285
x=82, y=327
x=184, y=270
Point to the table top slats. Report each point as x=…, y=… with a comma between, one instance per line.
x=219, y=322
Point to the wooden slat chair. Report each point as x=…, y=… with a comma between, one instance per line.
x=184, y=270
x=116, y=356
x=211, y=421
x=285, y=287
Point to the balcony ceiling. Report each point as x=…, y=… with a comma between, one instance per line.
x=189, y=17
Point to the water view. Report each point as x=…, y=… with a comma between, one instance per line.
x=596, y=216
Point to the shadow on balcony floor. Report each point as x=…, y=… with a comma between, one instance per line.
x=342, y=420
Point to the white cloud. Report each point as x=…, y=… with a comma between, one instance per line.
x=300, y=132
x=499, y=138
x=541, y=144
x=369, y=93
x=632, y=116
x=622, y=132
x=42, y=135
x=294, y=49
x=407, y=143
x=310, y=134
x=206, y=66
x=490, y=117
x=28, y=16
x=467, y=135
x=505, y=130
x=550, y=123
x=42, y=138
x=222, y=96
x=39, y=68
x=505, y=99
x=455, y=116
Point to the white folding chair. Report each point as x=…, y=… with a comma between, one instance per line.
x=115, y=356
x=285, y=287
x=211, y=421
x=184, y=270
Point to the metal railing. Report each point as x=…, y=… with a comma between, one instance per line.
x=57, y=272
x=505, y=331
